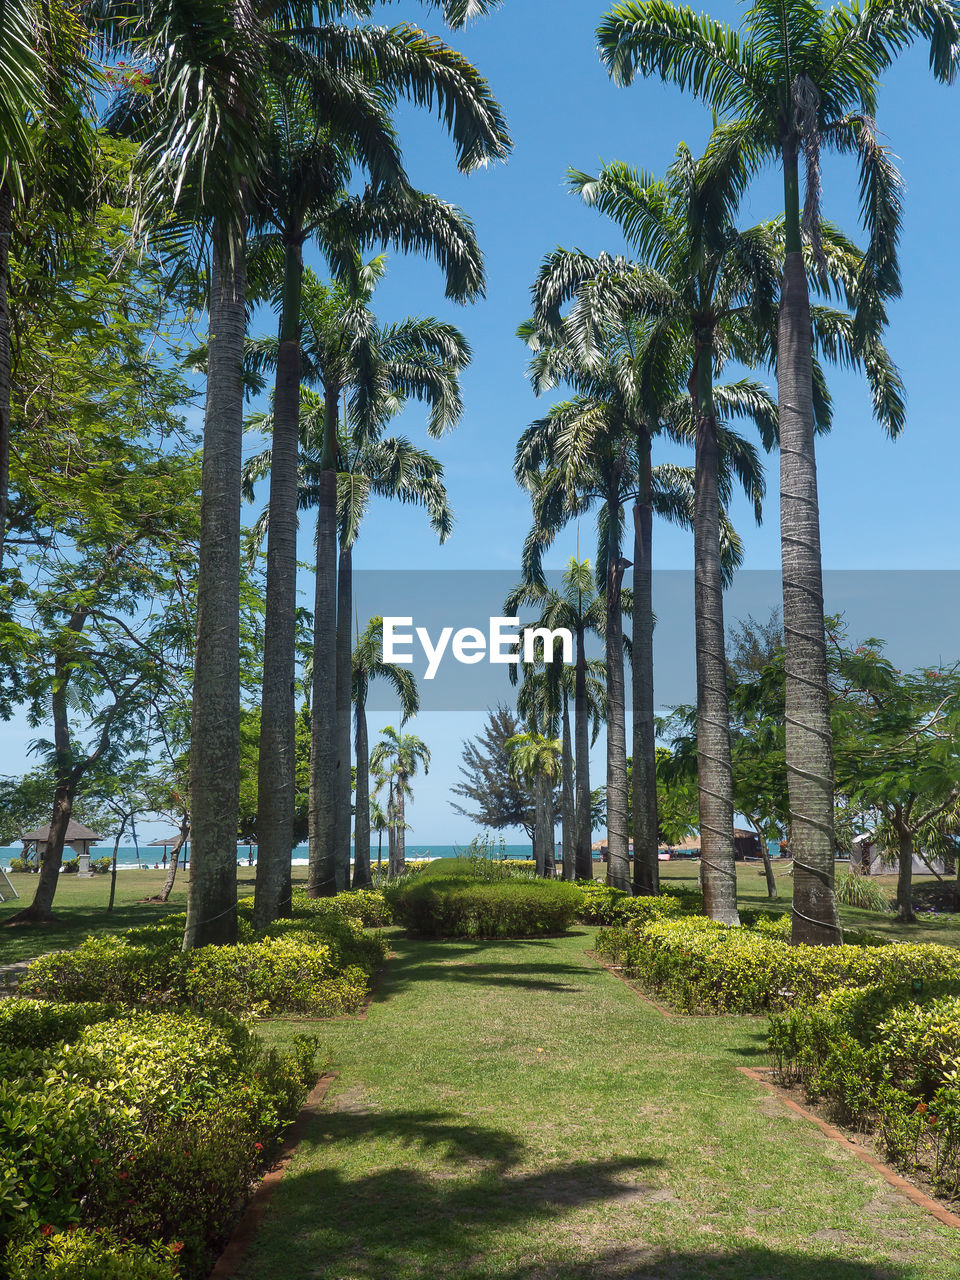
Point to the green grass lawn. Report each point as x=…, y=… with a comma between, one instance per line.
x=80, y=906
x=509, y=1111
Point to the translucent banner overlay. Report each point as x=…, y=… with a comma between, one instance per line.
x=916, y=612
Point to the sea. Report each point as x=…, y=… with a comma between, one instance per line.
x=130, y=857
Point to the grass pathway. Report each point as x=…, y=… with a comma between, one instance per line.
x=509, y=1111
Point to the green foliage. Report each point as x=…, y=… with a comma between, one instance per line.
x=80, y=1254
x=855, y=890
x=38, y=1024
x=150, y=1123
x=701, y=965
x=318, y=962
x=602, y=904
x=450, y=899
x=885, y=1057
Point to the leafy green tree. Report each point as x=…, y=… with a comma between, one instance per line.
x=896, y=753
x=400, y=755
x=377, y=369
x=797, y=79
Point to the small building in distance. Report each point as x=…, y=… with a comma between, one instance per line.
x=870, y=860
x=78, y=837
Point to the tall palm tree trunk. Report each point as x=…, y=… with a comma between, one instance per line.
x=400, y=836
x=322, y=869
x=809, y=741
x=646, y=845
x=714, y=768
x=6, y=357
x=543, y=801
x=618, y=858
x=581, y=733
x=567, y=806
x=361, y=844
x=215, y=731
x=276, y=788
x=342, y=736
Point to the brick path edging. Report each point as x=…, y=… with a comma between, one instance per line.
x=919, y=1198
x=248, y=1226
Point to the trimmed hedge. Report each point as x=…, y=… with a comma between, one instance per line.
x=884, y=1061
x=319, y=962
x=700, y=965
x=81, y=1254
x=464, y=898
x=602, y=904
x=150, y=1125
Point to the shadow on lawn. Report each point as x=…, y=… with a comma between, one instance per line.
x=459, y=961
x=443, y=1218
x=460, y=1217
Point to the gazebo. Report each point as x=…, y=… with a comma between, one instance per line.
x=78, y=837
x=170, y=842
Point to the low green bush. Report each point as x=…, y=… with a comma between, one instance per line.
x=40, y=1024
x=602, y=904
x=885, y=1058
x=82, y=1254
x=856, y=890
x=70, y=866
x=100, y=866
x=368, y=906
x=450, y=899
x=18, y=864
x=153, y=1125
x=318, y=962
x=700, y=965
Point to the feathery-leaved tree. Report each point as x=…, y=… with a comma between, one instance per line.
x=797, y=79
x=535, y=759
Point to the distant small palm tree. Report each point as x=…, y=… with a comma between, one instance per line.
x=368, y=664
x=380, y=823
x=399, y=755
x=536, y=760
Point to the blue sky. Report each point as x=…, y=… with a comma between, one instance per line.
x=883, y=504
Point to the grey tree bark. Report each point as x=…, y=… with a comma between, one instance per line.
x=809, y=741
x=714, y=768
x=215, y=731
x=6, y=358
x=342, y=736
x=276, y=785
x=361, y=851
x=322, y=870
x=618, y=856
x=567, y=808
x=168, y=884
x=581, y=734
x=905, y=911
x=400, y=836
x=646, y=845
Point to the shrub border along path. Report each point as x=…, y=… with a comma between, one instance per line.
x=493, y=1119
x=761, y=1076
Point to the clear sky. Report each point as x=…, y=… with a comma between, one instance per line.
x=883, y=504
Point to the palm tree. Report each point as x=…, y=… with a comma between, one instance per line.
x=705, y=283
x=379, y=823
x=598, y=447
x=202, y=127
x=307, y=166
x=378, y=368
x=535, y=759
x=368, y=664
x=800, y=79
x=579, y=607
x=399, y=755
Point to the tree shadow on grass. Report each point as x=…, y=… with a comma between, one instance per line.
x=435, y=1220
x=458, y=961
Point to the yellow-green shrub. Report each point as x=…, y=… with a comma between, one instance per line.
x=701, y=965
x=85, y=1255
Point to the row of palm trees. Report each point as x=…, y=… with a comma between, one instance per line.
x=641, y=341
x=259, y=122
